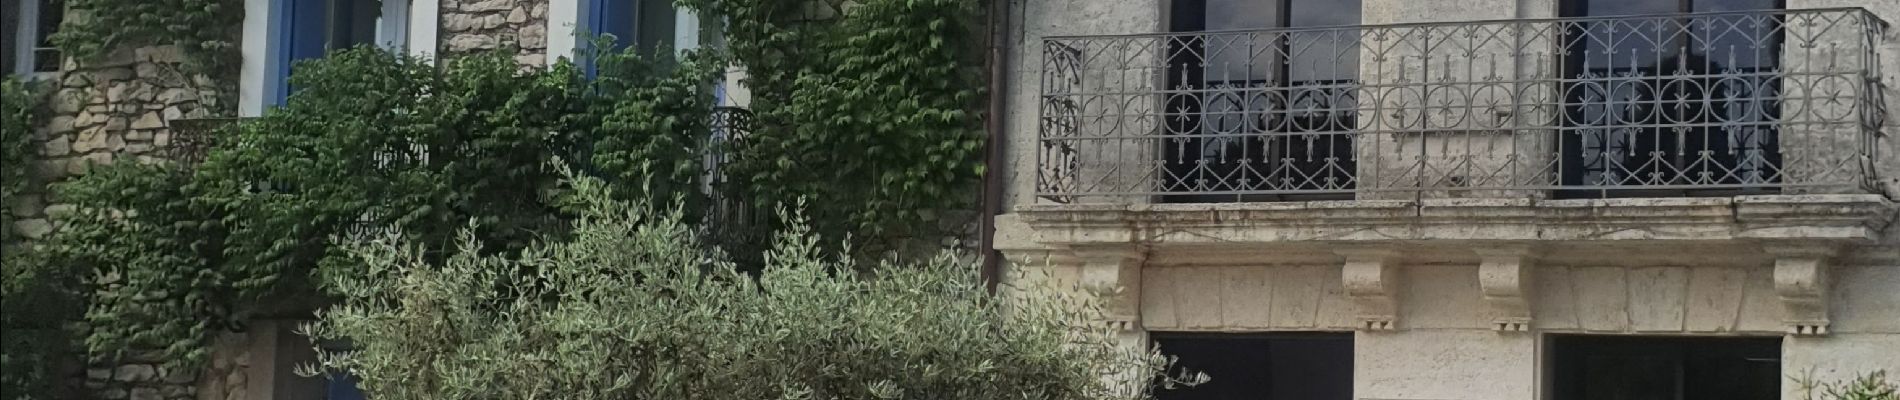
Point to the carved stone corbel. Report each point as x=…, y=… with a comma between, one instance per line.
x=1803, y=282
x=1114, y=273
x=1505, y=279
x=1371, y=279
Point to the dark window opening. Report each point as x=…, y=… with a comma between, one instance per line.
x=1281, y=366
x=46, y=57
x=313, y=28
x=1653, y=107
x=1664, y=368
x=1266, y=116
x=27, y=28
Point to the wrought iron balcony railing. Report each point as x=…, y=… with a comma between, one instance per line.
x=1671, y=105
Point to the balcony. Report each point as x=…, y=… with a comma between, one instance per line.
x=1681, y=105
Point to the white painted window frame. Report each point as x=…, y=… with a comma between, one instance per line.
x=26, y=34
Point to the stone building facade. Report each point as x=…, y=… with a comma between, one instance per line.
x=1402, y=199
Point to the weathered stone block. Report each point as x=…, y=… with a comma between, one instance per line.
x=26, y=206
x=89, y=140
x=61, y=124
x=531, y=60
x=162, y=54
x=57, y=146
x=534, y=37
x=146, y=393
x=463, y=43
x=488, y=5
x=134, y=373
x=150, y=120
x=460, y=22
x=116, y=123
x=68, y=101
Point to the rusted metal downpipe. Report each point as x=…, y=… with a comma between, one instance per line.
x=993, y=147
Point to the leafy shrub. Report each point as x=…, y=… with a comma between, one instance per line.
x=150, y=253
x=633, y=305
x=873, y=120
x=1872, y=386
x=370, y=139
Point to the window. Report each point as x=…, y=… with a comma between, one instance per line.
x=30, y=25
x=1687, y=101
x=1263, y=113
x=645, y=25
x=1280, y=366
x=309, y=29
x=1664, y=368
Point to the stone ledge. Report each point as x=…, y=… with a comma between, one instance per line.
x=1449, y=226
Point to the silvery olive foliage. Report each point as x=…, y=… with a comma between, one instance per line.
x=1872, y=386
x=632, y=305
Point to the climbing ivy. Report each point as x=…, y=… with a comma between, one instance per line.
x=204, y=29
x=371, y=141
x=150, y=249
x=872, y=119
x=34, y=300
x=19, y=116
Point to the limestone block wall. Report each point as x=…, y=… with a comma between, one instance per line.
x=116, y=109
x=477, y=25
x=1445, y=347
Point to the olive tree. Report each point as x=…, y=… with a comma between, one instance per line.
x=631, y=305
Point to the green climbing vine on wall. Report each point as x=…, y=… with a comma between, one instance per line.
x=873, y=129
x=873, y=119
x=204, y=29
x=34, y=300
x=371, y=141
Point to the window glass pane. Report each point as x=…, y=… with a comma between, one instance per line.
x=1744, y=42
x=655, y=26
x=1624, y=44
x=46, y=58
x=9, y=33
x=1329, y=55
x=1242, y=14
x=1241, y=58
x=51, y=13
x=353, y=23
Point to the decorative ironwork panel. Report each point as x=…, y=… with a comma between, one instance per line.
x=191, y=139
x=1679, y=104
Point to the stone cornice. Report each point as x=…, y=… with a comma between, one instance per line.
x=1849, y=219
x=1454, y=225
